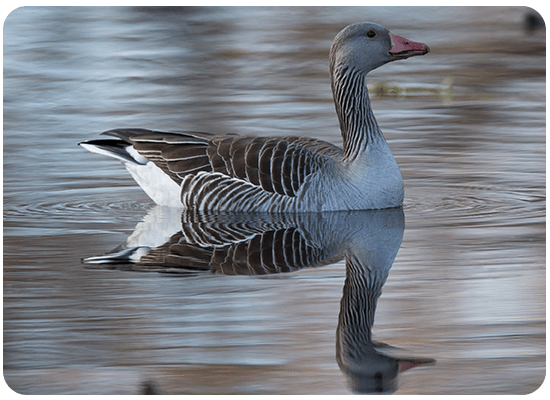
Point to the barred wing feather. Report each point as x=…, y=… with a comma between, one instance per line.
x=253, y=172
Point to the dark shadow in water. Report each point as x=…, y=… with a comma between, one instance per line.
x=170, y=242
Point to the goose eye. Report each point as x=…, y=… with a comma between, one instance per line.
x=371, y=33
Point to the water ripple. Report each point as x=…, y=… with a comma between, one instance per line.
x=74, y=208
x=470, y=205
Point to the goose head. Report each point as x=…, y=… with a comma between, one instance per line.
x=366, y=46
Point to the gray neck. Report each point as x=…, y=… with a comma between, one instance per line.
x=357, y=123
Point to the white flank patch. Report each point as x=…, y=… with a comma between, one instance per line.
x=156, y=184
x=135, y=155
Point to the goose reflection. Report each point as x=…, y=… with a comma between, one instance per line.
x=188, y=243
x=367, y=369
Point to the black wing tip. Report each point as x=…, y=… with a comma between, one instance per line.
x=105, y=142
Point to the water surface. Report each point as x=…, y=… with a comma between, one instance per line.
x=466, y=124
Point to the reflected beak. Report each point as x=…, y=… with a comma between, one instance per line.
x=404, y=48
x=404, y=365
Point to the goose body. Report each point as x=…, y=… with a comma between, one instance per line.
x=234, y=173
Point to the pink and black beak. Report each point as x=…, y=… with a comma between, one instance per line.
x=404, y=48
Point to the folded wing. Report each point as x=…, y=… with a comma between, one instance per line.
x=211, y=168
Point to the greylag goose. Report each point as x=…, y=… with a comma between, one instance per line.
x=234, y=173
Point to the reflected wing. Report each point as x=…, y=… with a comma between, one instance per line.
x=270, y=252
x=264, y=244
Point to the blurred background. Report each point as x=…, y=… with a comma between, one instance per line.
x=466, y=124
